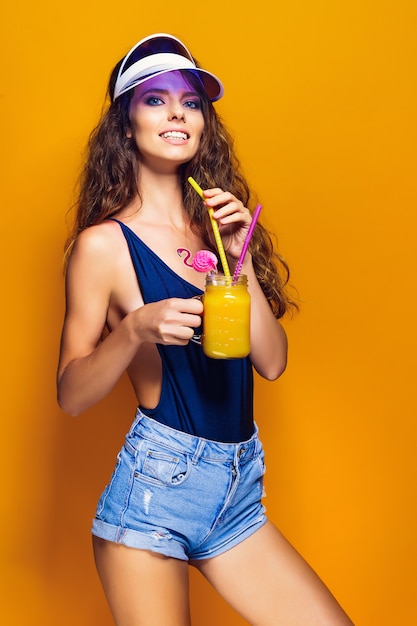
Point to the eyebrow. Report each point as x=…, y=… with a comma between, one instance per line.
x=166, y=91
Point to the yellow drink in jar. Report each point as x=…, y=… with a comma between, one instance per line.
x=226, y=317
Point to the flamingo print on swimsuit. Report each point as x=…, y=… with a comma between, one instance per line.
x=203, y=261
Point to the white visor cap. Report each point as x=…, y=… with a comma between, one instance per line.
x=158, y=54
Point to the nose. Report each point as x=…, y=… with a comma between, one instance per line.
x=176, y=112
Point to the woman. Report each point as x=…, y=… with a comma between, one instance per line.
x=187, y=485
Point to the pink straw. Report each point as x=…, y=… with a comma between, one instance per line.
x=246, y=242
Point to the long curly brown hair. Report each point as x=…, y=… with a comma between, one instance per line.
x=110, y=180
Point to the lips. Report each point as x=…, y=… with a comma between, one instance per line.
x=175, y=134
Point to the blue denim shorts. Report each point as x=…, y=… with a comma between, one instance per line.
x=181, y=495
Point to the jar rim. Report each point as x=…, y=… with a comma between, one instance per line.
x=225, y=281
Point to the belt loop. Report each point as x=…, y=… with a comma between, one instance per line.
x=198, y=451
x=133, y=426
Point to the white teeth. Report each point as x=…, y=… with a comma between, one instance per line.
x=175, y=134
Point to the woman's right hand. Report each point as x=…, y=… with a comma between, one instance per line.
x=168, y=322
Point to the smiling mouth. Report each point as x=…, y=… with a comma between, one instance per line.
x=174, y=134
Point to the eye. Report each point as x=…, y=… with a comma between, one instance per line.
x=193, y=104
x=154, y=101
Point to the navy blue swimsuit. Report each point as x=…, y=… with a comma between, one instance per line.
x=205, y=397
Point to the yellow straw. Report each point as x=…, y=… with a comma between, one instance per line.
x=215, y=228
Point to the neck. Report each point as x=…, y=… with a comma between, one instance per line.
x=161, y=195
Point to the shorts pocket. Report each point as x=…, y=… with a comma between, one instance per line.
x=162, y=466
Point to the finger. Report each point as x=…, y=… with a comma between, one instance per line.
x=210, y=193
x=218, y=198
x=189, y=305
x=191, y=321
x=185, y=333
x=177, y=334
x=233, y=214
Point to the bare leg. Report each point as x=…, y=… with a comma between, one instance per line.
x=268, y=583
x=141, y=587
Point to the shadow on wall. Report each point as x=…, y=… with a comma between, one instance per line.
x=81, y=461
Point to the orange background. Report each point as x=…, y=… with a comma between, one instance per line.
x=321, y=97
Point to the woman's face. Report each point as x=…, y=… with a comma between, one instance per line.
x=166, y=120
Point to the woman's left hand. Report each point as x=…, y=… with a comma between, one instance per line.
x=232, y=217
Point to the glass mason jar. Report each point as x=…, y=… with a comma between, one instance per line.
x=226, y=317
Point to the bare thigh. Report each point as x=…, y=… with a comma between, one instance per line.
x=142, y=588
x=268, y=583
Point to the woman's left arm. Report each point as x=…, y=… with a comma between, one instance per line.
x=268, y=338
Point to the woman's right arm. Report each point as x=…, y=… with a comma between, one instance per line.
x=89, y=367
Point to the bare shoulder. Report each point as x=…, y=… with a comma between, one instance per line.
x=97, y=251
x=100, y=241
x=101, y=275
